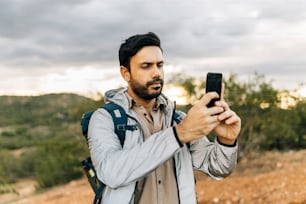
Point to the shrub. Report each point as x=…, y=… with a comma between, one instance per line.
x=58, y=161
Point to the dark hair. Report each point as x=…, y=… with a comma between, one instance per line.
x=133, y=44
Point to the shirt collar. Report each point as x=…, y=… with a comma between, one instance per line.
x=159, y=102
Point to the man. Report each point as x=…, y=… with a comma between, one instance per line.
x=155, y=164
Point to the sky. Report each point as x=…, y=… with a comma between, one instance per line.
x=72, y=45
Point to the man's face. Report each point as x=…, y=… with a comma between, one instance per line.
x=147, y=74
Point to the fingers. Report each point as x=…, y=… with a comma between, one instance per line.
x=212, y=110
x=197, y=123
x=215, y=110
x=211, y=95
x=223, y=104
x=222, y=92
x=229, y=117
x=211, y=120
x=232, y=120
x=226, y=115
x=208, y=97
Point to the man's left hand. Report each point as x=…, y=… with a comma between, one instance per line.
x=230, y=124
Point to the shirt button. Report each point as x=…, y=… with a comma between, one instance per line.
x=159, y=181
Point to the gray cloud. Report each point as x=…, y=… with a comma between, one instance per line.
x=261, y=36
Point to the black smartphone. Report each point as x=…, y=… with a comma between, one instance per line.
x=213, y=83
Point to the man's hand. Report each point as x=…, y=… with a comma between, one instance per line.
x=229, y=126
x=230, y=123
x=200, y=120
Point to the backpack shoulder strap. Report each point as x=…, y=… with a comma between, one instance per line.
x=120, y=120
x=177, y=118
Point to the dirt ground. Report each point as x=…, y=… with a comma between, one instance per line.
x=270, y=177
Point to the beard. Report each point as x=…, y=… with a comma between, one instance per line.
x=143, y=91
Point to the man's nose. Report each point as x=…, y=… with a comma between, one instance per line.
x=156, y=72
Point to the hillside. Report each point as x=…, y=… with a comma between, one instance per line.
x=41, y=135
x=271, y=177
x=43, y=110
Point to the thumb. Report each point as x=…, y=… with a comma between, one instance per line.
x=207, y=98
x=222, y=92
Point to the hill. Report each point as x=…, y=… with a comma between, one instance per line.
x=42, y=110
x=41, y=135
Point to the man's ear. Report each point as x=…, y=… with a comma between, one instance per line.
x=125, y=73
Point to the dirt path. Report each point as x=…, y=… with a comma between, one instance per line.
x=280, y=187
x=259, y=179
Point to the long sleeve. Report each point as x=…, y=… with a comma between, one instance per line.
x=213, y=158
x=117, y=166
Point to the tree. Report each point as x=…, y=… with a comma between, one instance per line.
x=265, y=124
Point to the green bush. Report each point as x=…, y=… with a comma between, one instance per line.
x=9, y=167
x=58, y=161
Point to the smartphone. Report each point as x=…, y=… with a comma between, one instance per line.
x=213, y=83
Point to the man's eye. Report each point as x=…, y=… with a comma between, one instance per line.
x=145, y=65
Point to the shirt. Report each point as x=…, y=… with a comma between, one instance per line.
x=160, y=186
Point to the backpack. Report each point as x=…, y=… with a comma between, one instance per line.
x=120, y=124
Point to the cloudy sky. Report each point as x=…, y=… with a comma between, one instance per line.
x=72, y=45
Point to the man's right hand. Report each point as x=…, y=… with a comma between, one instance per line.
x=200, y=120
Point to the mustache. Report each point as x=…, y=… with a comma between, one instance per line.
x=157, y=80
